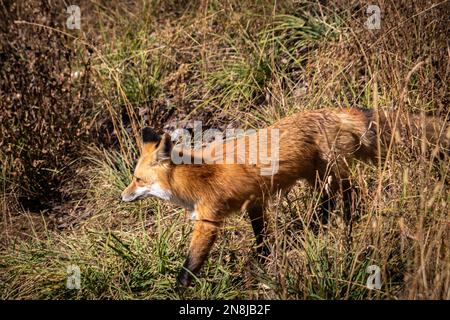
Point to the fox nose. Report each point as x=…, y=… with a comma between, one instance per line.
x=126, y=197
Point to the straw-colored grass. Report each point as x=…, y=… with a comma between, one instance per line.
x=243, y=64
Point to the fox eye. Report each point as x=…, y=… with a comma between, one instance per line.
x=138, y=180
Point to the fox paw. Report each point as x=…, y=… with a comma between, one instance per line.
x=184, y=280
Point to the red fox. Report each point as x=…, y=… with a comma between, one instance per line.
x=317, y=144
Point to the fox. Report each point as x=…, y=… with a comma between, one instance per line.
x=312, y=145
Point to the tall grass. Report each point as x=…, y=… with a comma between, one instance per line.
x=246, y=64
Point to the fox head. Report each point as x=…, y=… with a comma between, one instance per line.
x=151, y=174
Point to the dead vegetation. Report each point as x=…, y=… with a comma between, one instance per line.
x=72, y=103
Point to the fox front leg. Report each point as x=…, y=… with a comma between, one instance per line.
x=203, y=237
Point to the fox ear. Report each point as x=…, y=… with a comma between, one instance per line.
x=150, y=140
x=150, y=136
x=164, y=149
x=160, y=146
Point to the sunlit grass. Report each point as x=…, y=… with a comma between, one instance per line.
x=245, y=65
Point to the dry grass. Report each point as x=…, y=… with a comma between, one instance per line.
x=238, y=64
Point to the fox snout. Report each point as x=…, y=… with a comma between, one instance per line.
x=153, y=190
x=135, y=194
x=126, y=197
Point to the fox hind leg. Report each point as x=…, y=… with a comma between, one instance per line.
x=259, y=225
x=336, y=184
x=326, y=206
